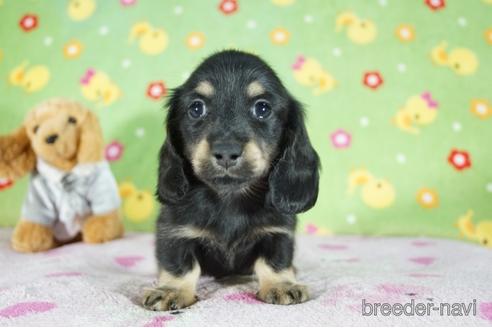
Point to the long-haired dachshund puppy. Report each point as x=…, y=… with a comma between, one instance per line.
x=235, y=168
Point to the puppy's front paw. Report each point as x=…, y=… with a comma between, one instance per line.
x=164, y=299
x=284, y=293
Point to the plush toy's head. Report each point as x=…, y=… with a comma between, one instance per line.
x=61, y=132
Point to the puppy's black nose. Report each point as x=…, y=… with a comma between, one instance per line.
x=51, y=139
x=227, y=154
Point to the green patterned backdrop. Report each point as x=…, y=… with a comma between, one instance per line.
x=397, y=94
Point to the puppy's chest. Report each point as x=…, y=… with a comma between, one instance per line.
x=226, y=254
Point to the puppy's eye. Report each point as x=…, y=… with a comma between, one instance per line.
x=262, y=109
x=72, y=120
x=35, y=129
x=197, y=109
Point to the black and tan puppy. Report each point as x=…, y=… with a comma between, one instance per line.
x=236, y=167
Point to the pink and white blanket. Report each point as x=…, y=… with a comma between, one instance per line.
x=81, y=284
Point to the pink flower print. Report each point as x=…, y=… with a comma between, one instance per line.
x=128, y=2
x=311, y=229
x=341, y=139
x=113, y=151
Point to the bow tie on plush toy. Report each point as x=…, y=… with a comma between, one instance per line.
x=74, y=203
x=69, y=190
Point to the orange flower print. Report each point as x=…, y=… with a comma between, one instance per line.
x=488, y=35
x=279, y=36
x=195, y=40
x=481, y=108
x=72, y=49
x=405, y=33
x=427, y=198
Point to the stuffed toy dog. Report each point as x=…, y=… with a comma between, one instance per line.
x=71, y=189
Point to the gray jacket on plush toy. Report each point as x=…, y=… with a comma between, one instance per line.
x=63, y=200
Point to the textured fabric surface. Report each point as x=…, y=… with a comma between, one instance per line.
x=81, y=284
x=397, y=94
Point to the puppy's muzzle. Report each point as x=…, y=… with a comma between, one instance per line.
x=226, y=154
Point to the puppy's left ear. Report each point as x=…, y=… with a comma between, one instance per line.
x=91, y=139
x=293, y=181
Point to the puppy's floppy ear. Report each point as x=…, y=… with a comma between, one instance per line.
x=172, y=184
x=293, y=181
x=16, y=154
x=91, y=140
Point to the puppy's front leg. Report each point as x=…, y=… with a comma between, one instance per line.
x=275, y=273
x=178, y=277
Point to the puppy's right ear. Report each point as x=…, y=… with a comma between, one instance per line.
x=173, y=184
x=17, y=157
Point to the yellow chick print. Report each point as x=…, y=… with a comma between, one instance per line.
x=30, y=78
x=376, y=193
x=283, y=2
x=79, y=10
x=360, y=31
x=138, y=205
x=418, y=111
x=461, y=60
x=308, y=72
x=152, y=41
x=481, y=233
x=98, y=87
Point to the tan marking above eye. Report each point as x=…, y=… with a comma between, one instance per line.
x=255, y=89
x=205, y=88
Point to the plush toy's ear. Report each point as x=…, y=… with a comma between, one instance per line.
x=173, y=183
x=91, y=140
x=16, y=155
x=293, y=181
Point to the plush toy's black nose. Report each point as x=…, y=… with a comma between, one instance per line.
x=51, y=139
x=227, y=154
